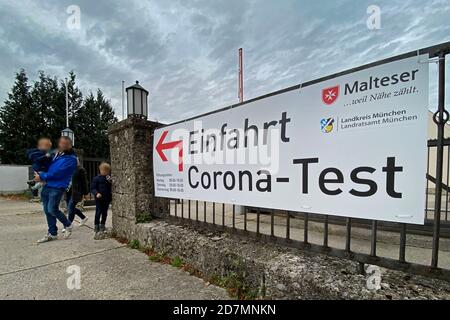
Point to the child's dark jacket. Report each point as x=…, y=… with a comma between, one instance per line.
x=41, y=160
x=102, y=184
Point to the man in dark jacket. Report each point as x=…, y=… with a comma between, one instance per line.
x=57, y=180
x=78, y=189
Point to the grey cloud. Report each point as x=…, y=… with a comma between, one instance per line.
x=184, y=52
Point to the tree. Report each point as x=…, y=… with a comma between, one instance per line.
x=46, y=98
x=17, y=120
x=91, y=124
x=75, y=97
x=55, y=113
x=107, y=118
x=31, y=112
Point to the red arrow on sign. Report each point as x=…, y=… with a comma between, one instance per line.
x=161, y=146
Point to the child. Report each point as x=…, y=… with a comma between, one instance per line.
x=41, y=157
x=101, y=190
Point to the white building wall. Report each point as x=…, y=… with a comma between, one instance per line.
x=13, y=178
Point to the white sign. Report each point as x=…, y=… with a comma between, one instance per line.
x=353, y=146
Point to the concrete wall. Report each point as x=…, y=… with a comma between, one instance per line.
x=13, y=178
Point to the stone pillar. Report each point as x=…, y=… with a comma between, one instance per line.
x=131, y=143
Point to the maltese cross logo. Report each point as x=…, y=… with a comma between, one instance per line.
x=329, y=95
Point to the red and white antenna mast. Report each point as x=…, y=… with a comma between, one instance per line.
x=241, y=77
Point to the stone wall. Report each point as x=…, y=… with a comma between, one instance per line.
x=131, y=143
x=279, y=272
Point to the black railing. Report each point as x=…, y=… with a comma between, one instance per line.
x=312, y=232
x=430, y=204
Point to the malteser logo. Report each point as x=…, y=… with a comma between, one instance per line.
x=330, y=95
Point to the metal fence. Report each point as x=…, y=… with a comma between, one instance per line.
x=431, y=181
x=278, y=226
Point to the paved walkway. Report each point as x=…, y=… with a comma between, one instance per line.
x=109, y=270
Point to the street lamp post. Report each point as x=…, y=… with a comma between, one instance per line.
x=123, y=100
x=67, y=104
x=67, y=132
x=137, y=106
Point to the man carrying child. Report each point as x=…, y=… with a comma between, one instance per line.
x=56, y=180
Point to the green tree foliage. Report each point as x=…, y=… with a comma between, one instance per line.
x=48, y=104
x=93, y=119
x=39, y=110
x=16, y=122
x=75, y=98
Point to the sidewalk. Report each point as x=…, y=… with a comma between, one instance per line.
x=109, y=270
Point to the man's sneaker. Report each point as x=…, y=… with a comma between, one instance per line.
x=48, y=237
x=68, y=232
x=102, y=228
x=83, y=221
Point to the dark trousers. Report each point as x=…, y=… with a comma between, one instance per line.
x=51, y=198
x=101, y=211
x=72, y=209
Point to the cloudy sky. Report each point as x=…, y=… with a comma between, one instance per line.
x=185, y=51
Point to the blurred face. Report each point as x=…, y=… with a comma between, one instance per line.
x=104, y=171
x=44, y=144
x=64, y=145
